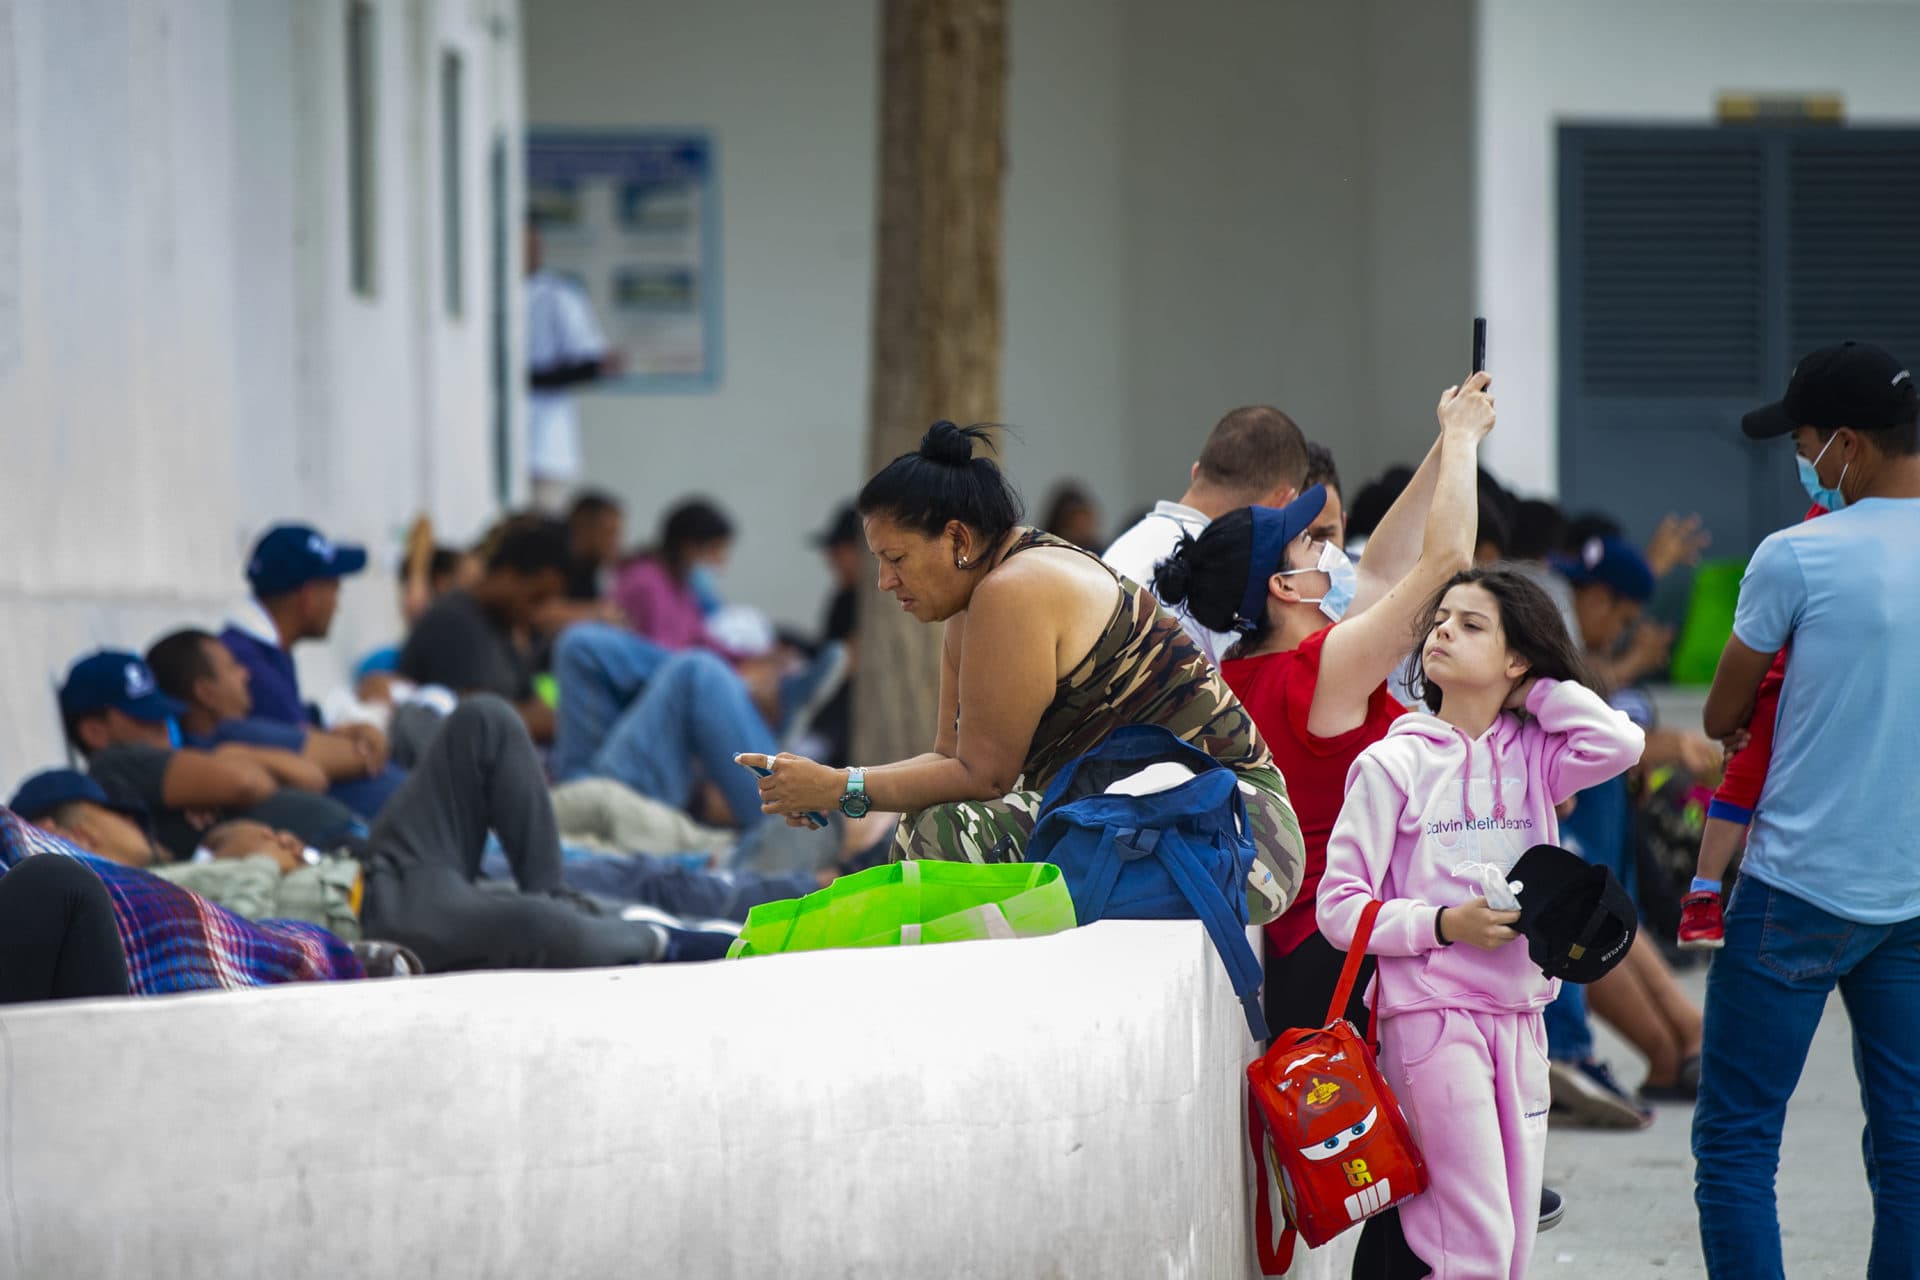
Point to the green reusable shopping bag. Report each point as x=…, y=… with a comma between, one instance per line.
x=1716, y=591
x=913, y=903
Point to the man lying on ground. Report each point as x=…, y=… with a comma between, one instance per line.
x=73, y=925
x=252, y=870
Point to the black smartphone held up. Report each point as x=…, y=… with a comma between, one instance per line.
x=1479, y=344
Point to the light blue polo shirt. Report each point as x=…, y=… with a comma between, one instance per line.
x=1838, y=822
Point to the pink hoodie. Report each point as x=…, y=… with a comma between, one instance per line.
x=1423, y=801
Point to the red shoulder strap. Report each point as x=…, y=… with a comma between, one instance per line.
x=1275, y=1257
x=1350, y=972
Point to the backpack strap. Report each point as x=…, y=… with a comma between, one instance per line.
x=1275, y=1257
x=1229, y=936
x=1106, y=874
x=1350, y=971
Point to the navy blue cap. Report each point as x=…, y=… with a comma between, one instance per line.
x=1273, y=529
x=289, y=556
x=44, y=793
x=1610, y=562
x=112, y=680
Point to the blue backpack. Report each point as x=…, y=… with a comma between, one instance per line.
x=1178, y=854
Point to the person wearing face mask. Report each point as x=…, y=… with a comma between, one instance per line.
x=1829, y=891
x=1318, y=641
x=1255, y=456
x=669, y=593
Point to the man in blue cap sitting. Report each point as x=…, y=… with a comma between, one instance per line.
x=295, y=574
x=127, y=730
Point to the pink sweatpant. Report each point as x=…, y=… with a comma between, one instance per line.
x=1474, y=1087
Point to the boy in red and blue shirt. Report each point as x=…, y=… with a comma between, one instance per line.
x=1731, y=811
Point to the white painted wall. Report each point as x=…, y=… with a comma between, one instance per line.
x=1206, y=205
x=789, y=95
x=1543, y=63
x=1068, y=282
x=1298, y=235
x=181, y=359
x=1067, y=1106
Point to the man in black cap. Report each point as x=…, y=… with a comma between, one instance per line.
x=294, y=573
x=1829, y=894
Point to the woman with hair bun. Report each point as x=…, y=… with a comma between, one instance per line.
x=1046, y=652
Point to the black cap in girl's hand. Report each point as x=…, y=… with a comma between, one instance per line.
x=1578, y=921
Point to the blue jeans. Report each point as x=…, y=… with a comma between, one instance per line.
x=1765, y=995
x=1569, y=1034
x=600, y=669
x=1600, y=829
x=657, y=721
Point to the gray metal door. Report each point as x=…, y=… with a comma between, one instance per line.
x=1695, y=266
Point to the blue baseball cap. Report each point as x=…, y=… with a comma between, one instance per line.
x=289, y=556
x=113, y=680
x=1610, y=562
x=1273, y=529
x=44, y=793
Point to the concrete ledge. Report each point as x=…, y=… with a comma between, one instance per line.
x=1066, y=1106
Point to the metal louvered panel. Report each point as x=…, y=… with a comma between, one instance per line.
x=1672, y=273
x=1853, y=248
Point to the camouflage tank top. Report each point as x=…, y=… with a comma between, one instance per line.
x=1144, y=669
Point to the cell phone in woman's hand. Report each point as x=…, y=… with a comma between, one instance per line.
x=817, y=818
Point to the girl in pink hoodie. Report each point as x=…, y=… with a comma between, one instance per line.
x=1513, y=732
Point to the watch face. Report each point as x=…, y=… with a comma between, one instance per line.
x=855, y=806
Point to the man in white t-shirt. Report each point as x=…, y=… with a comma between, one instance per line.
x=564, y=350
x=1256, y=457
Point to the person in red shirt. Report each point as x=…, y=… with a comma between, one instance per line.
x=1318, y=640
x=1730, y=813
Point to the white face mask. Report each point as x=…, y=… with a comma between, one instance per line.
x=1342, y=580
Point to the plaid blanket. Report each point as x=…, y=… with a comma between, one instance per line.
x=176, y=940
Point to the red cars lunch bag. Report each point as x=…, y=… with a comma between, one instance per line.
x=1325, y=1128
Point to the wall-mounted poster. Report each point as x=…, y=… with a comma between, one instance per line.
x=632, y=218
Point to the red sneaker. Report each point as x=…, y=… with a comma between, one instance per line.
x=1701, y=928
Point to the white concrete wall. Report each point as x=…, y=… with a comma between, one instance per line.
x=1066, y=1106
x=182, y=360
x=1544, y=63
